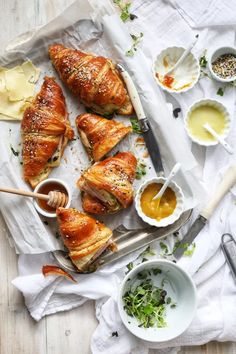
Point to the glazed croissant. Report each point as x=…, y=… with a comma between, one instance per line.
x=107, y=186
x=100, y=135
x=85, y=237
x=45, y=131
x=93, y=79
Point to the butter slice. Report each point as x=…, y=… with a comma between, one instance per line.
x=16, y=89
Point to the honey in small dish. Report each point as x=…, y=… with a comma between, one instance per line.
x=156, y=209
x=45, y=189
x=202, y=115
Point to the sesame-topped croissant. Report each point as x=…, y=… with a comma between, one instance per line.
x=107, y=185
x=94, y=79
x=100, y=135
x=45, y=131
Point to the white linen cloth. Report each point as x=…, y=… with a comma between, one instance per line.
x=94, y=26
x=163, y=23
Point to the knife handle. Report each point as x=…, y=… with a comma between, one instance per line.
x=229, y=179
x=133, y=93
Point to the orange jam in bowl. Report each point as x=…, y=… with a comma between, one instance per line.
x=159, y=208
x=160, y=212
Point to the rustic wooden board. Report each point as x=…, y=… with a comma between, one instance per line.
x=62, y=332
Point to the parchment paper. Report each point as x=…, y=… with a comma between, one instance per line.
x=106, y=35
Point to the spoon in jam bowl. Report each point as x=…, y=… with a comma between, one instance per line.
x=54, y=199
x=173, y=172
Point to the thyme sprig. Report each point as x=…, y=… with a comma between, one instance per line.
x=125, y=10
x=136, y=40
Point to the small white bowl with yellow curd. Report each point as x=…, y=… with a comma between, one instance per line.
x=207, y=111
x=161, y=212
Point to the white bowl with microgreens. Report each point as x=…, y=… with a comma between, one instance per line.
x=157, y=300
x=159, y=213
x=207, y=111
x=183, y=78
x=222, y=64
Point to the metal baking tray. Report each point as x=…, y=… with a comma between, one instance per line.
x=127, y=241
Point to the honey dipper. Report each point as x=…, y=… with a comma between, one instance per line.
x=54, y=199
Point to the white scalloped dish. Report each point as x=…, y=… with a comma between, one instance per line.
x=207, y=111
x=185, y=76
x=165, y=204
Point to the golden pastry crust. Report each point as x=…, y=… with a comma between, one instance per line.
x=109, y=183
x=82, y=235
x=100, y=135
x=93, y=79
x=45, y=131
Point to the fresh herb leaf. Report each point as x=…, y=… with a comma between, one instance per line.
x=136, y=40
x=142, y=275
x=148, y=252
x=15, y=152
x=125, y=15
x=173, y=305
x=115, y=334
x=125, y=10
x=156, y=271
x=190, y=250
x=203, y=61
x=129, y=53
x=135, y=125
x=220, y=91
x=164, y=248
x=140, y=170
x=129, y=267
x=146, y=302
x=168, y=300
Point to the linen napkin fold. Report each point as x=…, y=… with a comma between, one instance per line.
x=215, y=318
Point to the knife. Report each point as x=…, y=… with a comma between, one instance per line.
x=228, y=180
x=144, y=124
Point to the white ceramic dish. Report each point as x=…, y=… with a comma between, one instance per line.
x=215, y=104
x=46, y=181
x=216, y=54
x=179, y=287
x=186, y=75
x=171, y=218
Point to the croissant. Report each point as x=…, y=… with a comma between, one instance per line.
x=100, y=135
x=93, y=79
x=107, y=185
x=85, y=237
x=45, y=131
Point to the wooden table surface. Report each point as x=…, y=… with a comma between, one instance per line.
x=62, y=332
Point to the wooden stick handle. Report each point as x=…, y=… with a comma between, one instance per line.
x=25, y=193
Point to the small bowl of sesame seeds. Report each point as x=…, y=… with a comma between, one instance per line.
x=222, y=64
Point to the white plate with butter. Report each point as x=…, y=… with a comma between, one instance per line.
x=207, y=111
